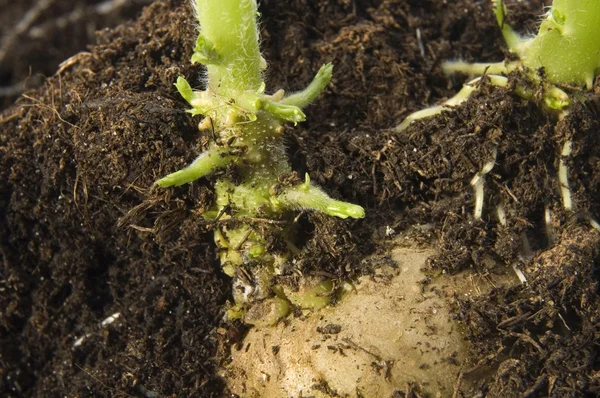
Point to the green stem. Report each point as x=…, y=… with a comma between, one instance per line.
x=228, y=45
x=567, y=45
x=247, y=127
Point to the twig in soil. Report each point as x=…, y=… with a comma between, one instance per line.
x=458, y=382
x=251, y=220
x=243, y=240
x=510, y=193
x=512, y=321
x=10, y=117
x=381, y=363
x=142, y=229
x=41, y=105
x=97, y=380
x=539, y=383
x=563, y=321
x=528, y=339
x=475, y=286
x=136, y=213
x=72, y=61
x=357, y=347
x=483, y=361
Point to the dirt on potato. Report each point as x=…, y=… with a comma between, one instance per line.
x=110, y=287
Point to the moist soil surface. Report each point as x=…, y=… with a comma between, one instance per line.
x=111, y=288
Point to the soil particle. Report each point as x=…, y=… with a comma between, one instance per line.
x=330, y=328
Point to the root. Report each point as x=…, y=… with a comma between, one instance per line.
x=525, y=244
x=477, y=182
x=594, y=223
x=477, y=68
x=526, y=255
x=563, y=176
x=501, y=215
x=548, y=222
x=519, y=274
x=459, y=98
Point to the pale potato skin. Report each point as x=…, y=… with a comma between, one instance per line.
x=389, y=332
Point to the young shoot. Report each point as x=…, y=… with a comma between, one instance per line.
x=263, y=199
x=563, y=55
x=566, y=48
x=562, y=59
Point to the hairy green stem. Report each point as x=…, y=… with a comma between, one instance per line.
x=247, y=129
x=567, y=45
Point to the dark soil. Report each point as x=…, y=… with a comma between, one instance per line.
x=83, y=237
x=37, y=35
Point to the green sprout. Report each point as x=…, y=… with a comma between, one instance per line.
x=263, y=197
x=561, y=59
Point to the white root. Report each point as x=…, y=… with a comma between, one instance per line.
x=501, y=215
x=420, y=43
x=477, y=182
x=478, y=68
x=463, y=95
x=526, y=255
x=563, y=176
x=110, y=319
x=548, y=222
x=520, y=274
x=594, y=224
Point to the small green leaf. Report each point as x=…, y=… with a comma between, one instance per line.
x=204, y=52
x=290, y=113
x=558, y=17
x=184, y=89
